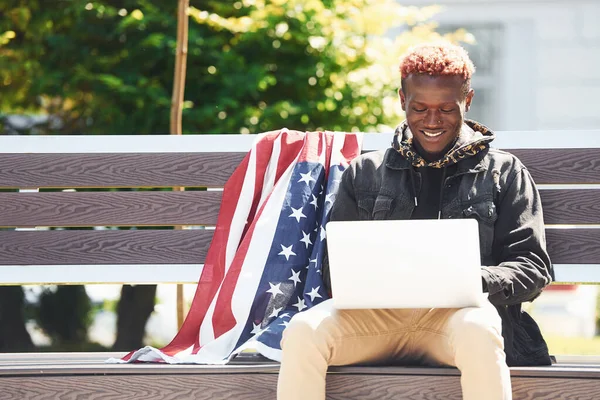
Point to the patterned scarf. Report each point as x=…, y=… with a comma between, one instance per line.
x=473, y=138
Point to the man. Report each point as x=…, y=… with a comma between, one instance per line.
x=440, y=166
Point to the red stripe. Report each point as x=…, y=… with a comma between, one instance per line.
x=351, y=148
x=311, y=151
x=291, y=144
x=264, y=149
x=214, y=266
x=223, y=318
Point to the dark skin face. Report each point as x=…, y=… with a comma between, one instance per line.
x=435, y=109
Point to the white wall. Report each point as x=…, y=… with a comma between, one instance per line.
x=550, y=57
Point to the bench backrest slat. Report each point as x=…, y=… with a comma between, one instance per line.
x=558, y=166
x=85, y=209
x=574, y=246
x=126, y=170
x=77, y=247
x=55, y=170
x=571, y=206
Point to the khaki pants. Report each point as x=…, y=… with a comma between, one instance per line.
x=468, y=338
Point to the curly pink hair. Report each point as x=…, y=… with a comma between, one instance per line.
x=441, y=58
x=437, y=59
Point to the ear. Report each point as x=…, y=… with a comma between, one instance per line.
x=468, y=99
x=402, y=99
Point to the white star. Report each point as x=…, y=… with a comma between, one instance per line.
x=256, y=328
x=328, y=198
x=323, y=233
x=314, y=260
x=284, y=324
x=284, y=315
x=275, y=289
x=314, y=293
x=314, y=201
x=295, y=277
x=306, y=239
x=300, y=304
x=321, y=192
x=297, y=213
x=306, y=178
x=287, y=252
x=276, y=312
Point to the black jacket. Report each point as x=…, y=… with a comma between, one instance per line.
x=489, y=185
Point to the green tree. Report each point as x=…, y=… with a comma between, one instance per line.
x=64, y=314
x=13, y=334
x=106, y=66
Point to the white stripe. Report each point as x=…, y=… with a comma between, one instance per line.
x=184, y=353
x=238, y=223
x=100, y=273
x=152, y=354
x=336, y=150
x=243, y=207
x=271, y=172
x=251, y=272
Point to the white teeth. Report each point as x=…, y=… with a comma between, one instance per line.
x=432, y=134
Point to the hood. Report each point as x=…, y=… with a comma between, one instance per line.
x=473, y=138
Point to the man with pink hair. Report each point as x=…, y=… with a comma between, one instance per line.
x=440, y=165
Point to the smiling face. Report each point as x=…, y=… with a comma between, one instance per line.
x=435, y=107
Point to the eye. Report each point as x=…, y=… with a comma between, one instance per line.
x=419, y=109
x=448, y=110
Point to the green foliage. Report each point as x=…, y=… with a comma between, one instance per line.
x=106, y=66
x=64, y=314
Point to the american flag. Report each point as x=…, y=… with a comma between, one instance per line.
x=264, y=263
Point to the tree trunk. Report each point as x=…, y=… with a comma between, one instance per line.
x=177, y=105
x=13, y=334
x=134, y=309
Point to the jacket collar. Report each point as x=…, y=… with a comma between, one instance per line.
x=471, y=133
x=478, y=163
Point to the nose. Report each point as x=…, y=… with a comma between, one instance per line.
x=433, y=119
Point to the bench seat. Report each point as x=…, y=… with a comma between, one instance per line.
x=74, y=376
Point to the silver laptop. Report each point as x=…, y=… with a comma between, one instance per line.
x=405, y=264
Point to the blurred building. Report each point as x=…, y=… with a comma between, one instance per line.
x=537, y=60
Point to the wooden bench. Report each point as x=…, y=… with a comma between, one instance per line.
x=566, y=166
